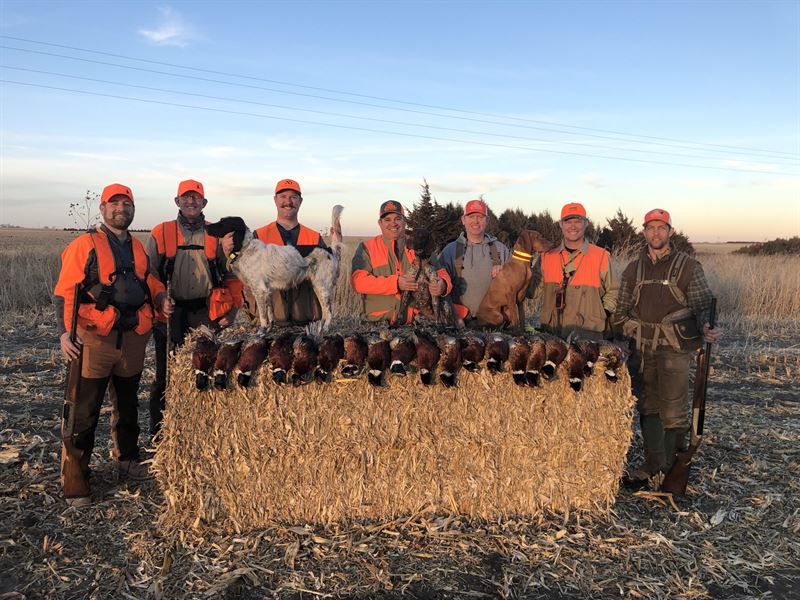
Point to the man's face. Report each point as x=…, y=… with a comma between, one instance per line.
x=657, y=234
x=573, y=229
x=117, y=212
x=288, y=204
x=474, y=223
x=191, y=204
x=393, y=226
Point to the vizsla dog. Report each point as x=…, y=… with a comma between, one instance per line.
x=502, y=304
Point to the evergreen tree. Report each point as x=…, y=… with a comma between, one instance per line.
x=446, y=225
x=620, y=235
x=423, y=213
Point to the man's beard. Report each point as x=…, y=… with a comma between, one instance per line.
x=121, y=221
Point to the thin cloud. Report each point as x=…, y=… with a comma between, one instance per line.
x=171, y=31
x=594, y=180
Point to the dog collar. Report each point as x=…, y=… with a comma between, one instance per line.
x=231, y=259
x=523, y=256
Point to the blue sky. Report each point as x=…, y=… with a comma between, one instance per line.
x=532, y=104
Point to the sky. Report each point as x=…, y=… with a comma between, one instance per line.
x=689, y=106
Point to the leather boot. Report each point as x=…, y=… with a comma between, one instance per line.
x=654, y=451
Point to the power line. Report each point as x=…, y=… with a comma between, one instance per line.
x=371, y=105
x=377, y=120
x=388, y=132
x=408, y=103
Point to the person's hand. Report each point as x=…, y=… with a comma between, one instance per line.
x=437, y=287
x=406, y=283
x=228, y=318
x=68, y=349
x=496, y=270
x=167, y=306
x=227, y=243
x=711, y=336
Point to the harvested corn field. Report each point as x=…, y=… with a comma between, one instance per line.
x=734, y=536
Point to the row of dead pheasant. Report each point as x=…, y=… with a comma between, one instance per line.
x=301, y=358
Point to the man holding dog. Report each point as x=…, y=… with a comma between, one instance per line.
x=192, y=265
x=381, y=266
x=578, y=282
x=663, y=309
x=106, y=277
x=299, y=305
x=473, y=260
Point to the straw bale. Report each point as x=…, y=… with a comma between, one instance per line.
x=241, y=459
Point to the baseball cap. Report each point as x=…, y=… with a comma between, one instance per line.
x=190, y=185
x=115, y=189
x=287, y=184
x=476, y=206
x=390, y=206
x=658, y=214
x=573, y=209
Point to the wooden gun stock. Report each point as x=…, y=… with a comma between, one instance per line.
x=678, y=475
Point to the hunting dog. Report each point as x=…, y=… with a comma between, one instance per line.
x=503, y=302
x=264, y=268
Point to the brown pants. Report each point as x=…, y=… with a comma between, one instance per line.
x=662, y=388
x=117, y=358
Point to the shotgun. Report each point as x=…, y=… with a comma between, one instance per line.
x=74, y=482
x=169, y=332
x=678, y=476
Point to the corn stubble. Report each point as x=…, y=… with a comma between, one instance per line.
x=336, y=452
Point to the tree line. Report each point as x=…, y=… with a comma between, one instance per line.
x=619, y=234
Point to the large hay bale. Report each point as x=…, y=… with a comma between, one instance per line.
x=243, y=458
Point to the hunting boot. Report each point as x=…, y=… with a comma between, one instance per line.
x=75, y=455
x=674, y=441
x=654, y=451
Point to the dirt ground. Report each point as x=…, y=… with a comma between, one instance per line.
x=736, y=535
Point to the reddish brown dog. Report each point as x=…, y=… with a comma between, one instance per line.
x=502, y=304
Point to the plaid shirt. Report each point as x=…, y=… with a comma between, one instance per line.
x=698, y=294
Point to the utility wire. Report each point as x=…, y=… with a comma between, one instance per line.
x=408, y=103
x=377, y=120
x=301, y=94
x=389, y=132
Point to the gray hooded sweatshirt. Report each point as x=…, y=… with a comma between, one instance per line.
x=476, y=274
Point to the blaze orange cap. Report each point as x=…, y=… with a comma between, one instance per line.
x=190, y=185
x=573, y=209
x=287, y=184
x=476, y=206
x=658, y=214
x=115, y=189
x=390, y=206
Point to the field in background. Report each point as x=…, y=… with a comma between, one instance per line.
x=762, y=290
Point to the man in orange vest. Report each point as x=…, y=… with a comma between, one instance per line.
x=380, y=267
x=193, y=266
x=663, y=308
x=116, y=300
x=579, y=283
x=296, y=306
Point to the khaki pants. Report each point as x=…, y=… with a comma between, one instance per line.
x=662, y=388
x=117, y=358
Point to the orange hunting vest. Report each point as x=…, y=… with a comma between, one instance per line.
x=102, y=321
x=169, y=237
x=269, y=234
x=583, y=306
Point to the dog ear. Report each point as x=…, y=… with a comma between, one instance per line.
x=238, y=239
